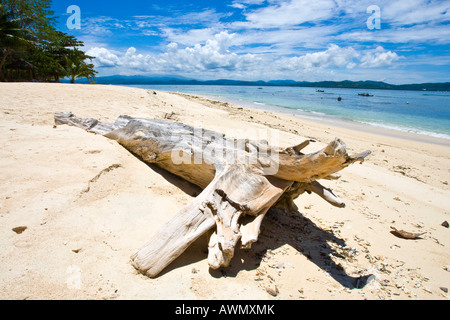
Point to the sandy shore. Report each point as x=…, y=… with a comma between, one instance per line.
x=88, y=204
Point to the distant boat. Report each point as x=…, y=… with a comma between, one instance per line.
x=365, y=95
x=320, y=91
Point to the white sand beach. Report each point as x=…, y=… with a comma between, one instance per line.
x=88, y=205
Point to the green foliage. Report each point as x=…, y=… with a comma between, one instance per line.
x=77, y=67
x=32, y=49
x=11, y=33
x=35, y=15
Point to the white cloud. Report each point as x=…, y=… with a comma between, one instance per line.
x=178, y=19
x=285, y=42
x=133, y=60
x=207, y=17
x=401, y=21
x=334, y=56
x=288, y=13
x=242, y=4
x=100, y=26
x=331, y=63
x=104, y=57
x=266, y=39
x=416, y=11
x=213, y=56
x=190, y=37
x=398, y=13
x=378, y=58
x=418, y=34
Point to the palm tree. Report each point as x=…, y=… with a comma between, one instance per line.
x=80, y=69
x=30, y=41
x=12, y=37
x=77, y=67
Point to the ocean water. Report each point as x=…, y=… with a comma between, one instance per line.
x=421, y=112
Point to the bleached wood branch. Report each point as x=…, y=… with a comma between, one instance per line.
x=239, y=177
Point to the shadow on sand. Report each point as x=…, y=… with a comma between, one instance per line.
x=278, y=229
x=292, y=228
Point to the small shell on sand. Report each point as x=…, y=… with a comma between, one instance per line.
x=272, y=290
x=405, y=234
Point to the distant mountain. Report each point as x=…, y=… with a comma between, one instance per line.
x=176, y=80
x=445, y=86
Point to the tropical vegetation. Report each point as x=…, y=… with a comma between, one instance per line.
x=32, y=49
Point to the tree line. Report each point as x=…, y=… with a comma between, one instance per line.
x=32, y=49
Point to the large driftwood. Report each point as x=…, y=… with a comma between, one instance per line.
x=241, y=181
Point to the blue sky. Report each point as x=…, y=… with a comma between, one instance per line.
x=405, y=41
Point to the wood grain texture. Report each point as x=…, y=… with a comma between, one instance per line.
x=239, y=177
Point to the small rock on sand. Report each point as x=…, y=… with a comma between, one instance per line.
x=19, y=230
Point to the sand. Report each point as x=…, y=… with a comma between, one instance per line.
x=86, y=204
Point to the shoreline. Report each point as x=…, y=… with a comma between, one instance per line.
x=380, y=128
x=334, y=121
x=380, y=140
x=84, y=205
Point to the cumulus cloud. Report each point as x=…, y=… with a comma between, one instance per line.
x=271, y=39
x=214, y=54
x=137, y=61
x=210, y=56
x=334, y=56
x=379, y=57
x=216, y=57
x=104, y=57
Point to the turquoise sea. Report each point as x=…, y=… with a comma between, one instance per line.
x=421, y=112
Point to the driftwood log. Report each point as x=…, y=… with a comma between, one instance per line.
x=241, y=181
